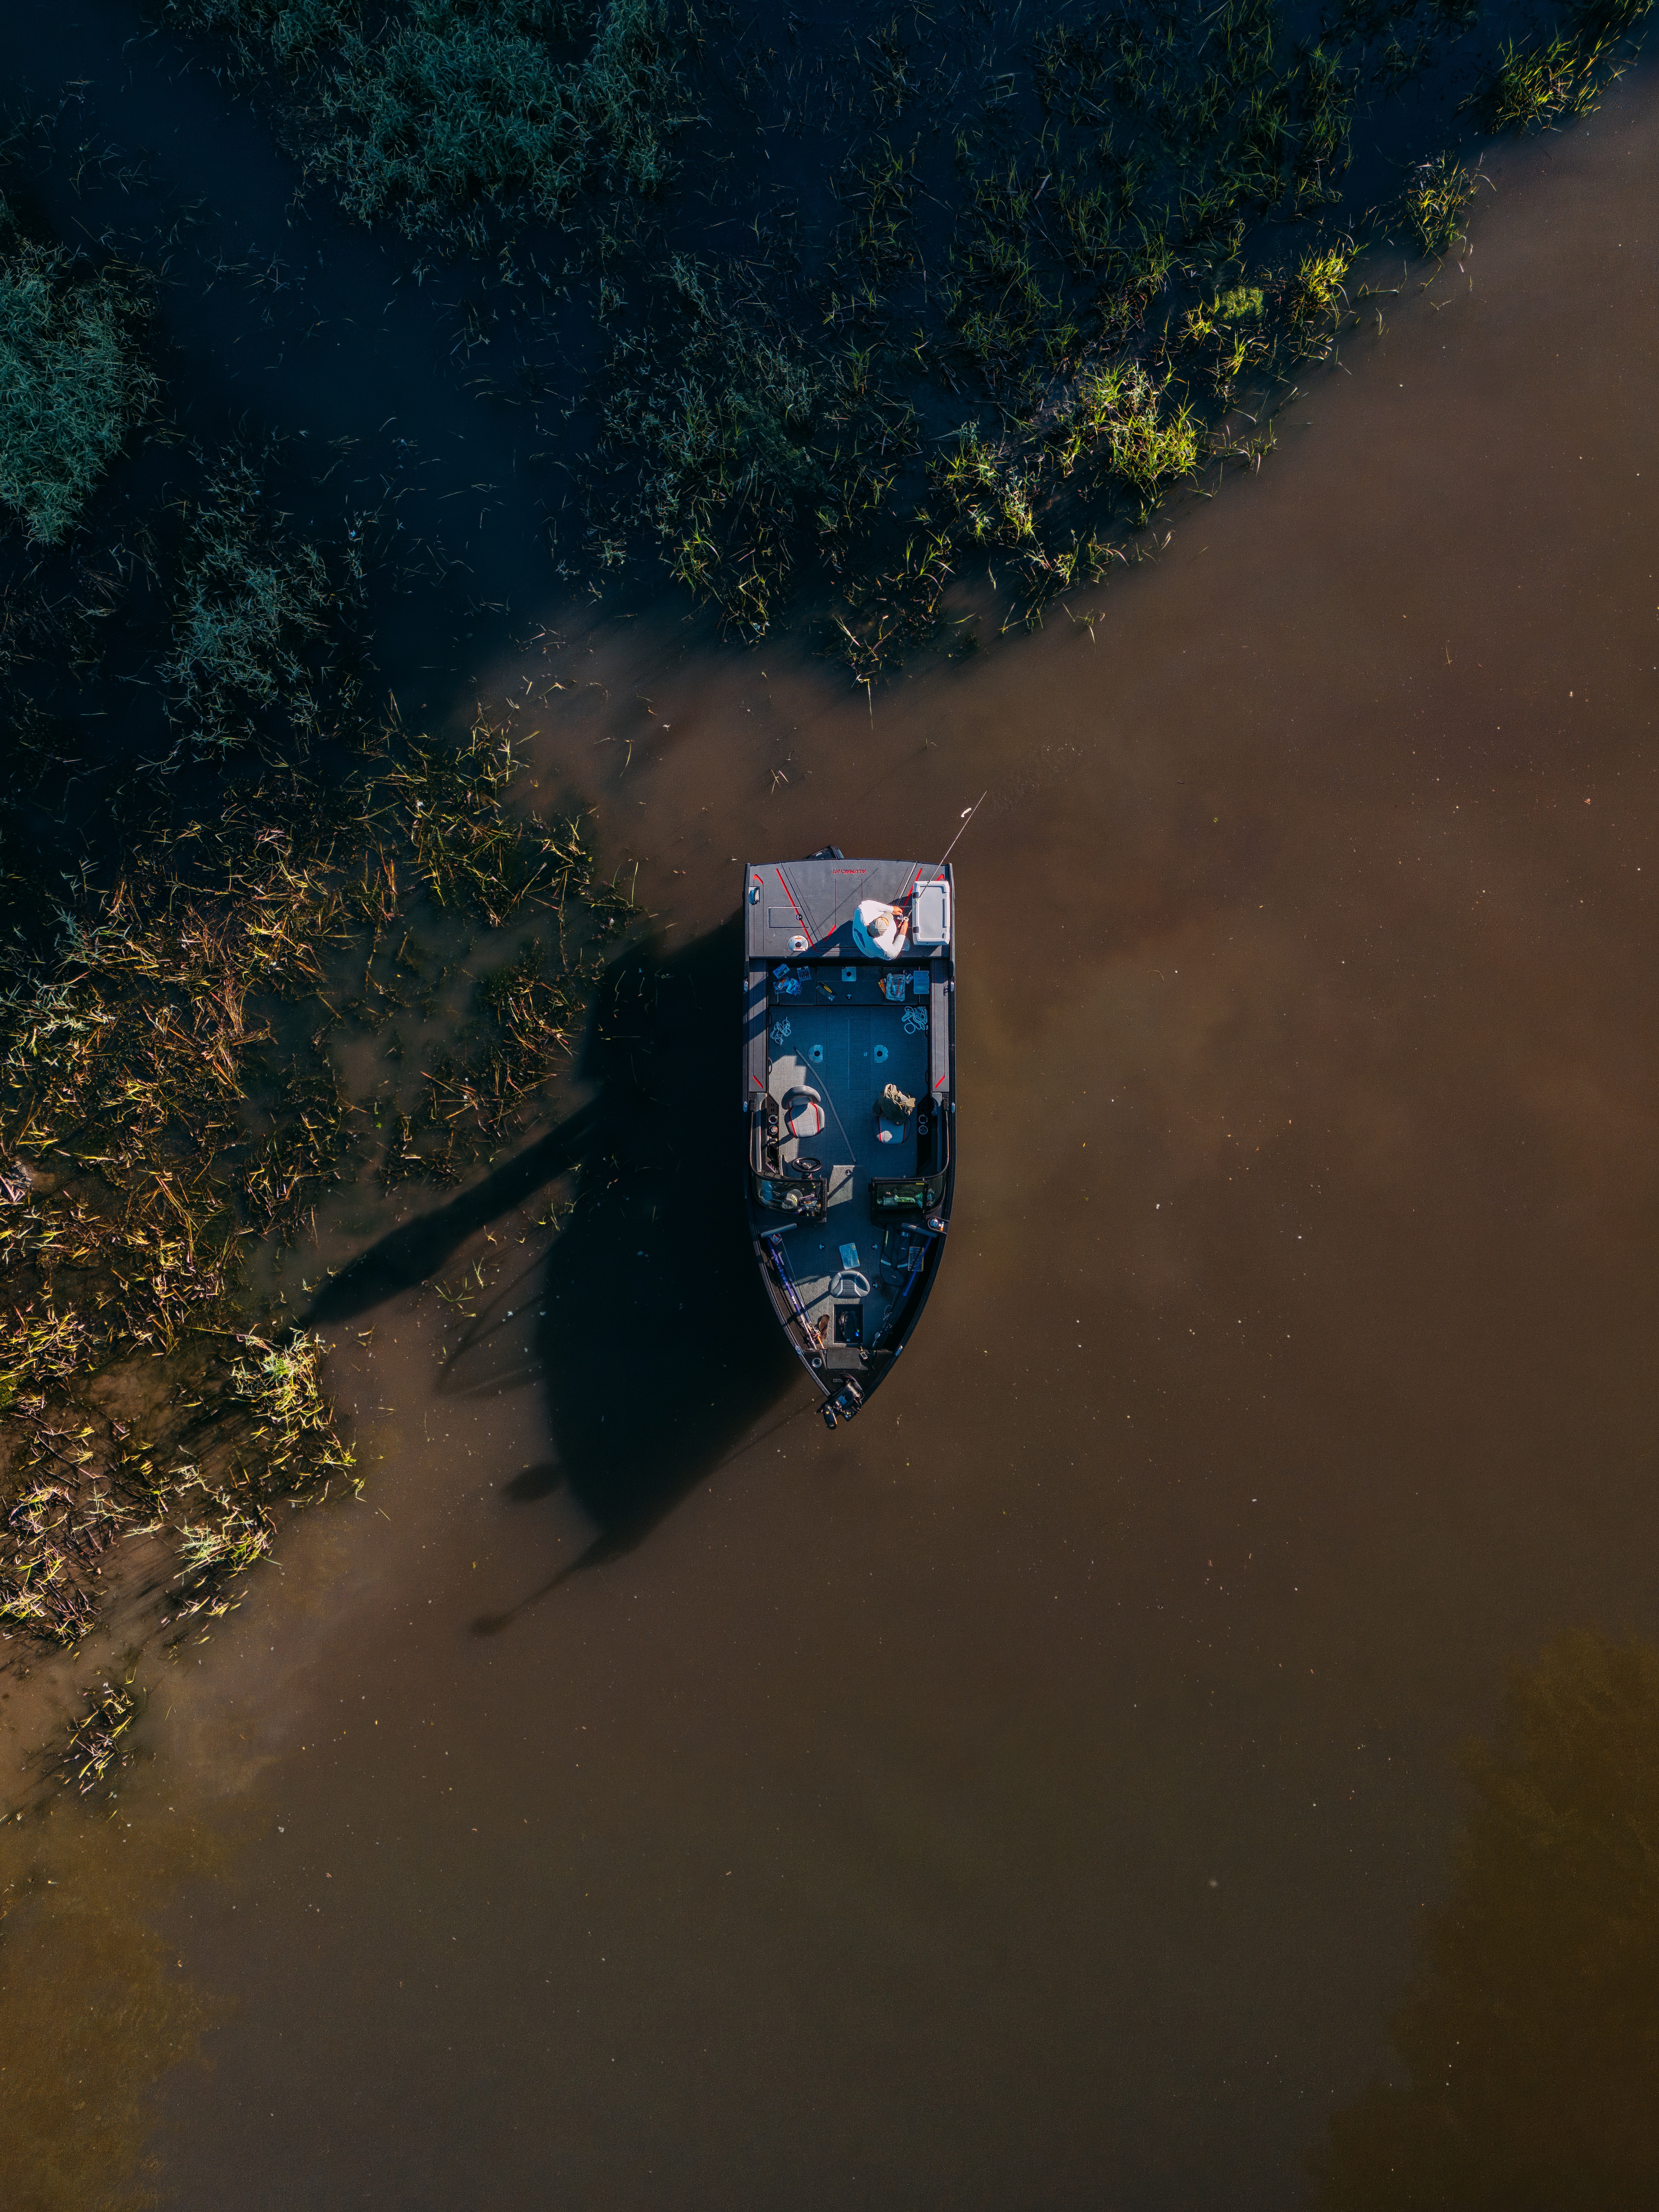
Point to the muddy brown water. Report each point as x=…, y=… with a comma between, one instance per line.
x=1032, y=1796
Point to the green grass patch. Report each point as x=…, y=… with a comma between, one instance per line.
x=1434, y=201
x=1543, y=82
x=253, y=605
x=73, y=380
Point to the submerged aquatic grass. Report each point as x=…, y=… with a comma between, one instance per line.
x=421, y=113
x=1120, y=189
x=150, y=1137
x=471, y=854
x=252, y=607
x=1436, y=200
x=1124, y=190
x=73, y=379
x=725, y=417
x=249, y=607
x=294, y=32
x=750, y=430
x=92, y=1743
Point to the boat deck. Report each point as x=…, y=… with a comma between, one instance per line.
x=843, y=1055
x=849, y=986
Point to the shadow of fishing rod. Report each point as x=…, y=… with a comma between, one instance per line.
x=599, y=1554
x=613, y=1543
x=654, y=1341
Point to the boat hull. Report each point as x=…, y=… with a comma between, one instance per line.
x=849, y=1106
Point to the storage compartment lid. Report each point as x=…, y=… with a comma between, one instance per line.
x=930, y=912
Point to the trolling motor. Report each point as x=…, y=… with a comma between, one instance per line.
x=845, y=1403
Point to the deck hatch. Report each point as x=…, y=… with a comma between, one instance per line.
x=930, y=921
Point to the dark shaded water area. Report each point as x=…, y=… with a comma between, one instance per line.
x=1038, y=1793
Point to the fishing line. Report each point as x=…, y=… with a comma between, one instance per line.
x=968, y=814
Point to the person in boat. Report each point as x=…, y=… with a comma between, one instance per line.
x=880, y=931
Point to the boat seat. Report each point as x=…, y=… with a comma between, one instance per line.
x=803, y=1113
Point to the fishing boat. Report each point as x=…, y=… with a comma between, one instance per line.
x=849, y=1077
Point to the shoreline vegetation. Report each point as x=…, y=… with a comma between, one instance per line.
x=831, y=326
x=995, y=290
x=168, y=1099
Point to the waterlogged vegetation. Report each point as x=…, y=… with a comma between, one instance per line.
x=170, y=1100
x=421, y=112
x=258, y=620
x=1436, y=200
x=872, y=316
x=965, y=294
x=261, y=885
x=74, y=379
x=1550, y=77
x=1024, y=336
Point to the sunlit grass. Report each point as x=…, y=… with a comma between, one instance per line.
x=147, y=1141
x=1434, y=201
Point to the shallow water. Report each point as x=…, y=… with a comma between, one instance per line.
x=1033, y=1795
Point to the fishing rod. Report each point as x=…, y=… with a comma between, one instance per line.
x=968, y=814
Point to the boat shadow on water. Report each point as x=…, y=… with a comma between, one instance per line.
x=655, y=1344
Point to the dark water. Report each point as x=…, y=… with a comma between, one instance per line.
x=1036, y=1795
